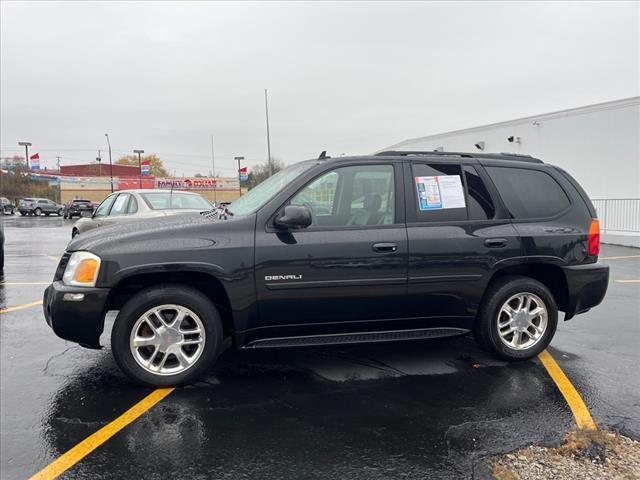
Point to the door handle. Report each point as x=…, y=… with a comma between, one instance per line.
x=496, y=242
x=384, y=247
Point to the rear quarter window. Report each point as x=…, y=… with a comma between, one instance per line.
x=529, y=193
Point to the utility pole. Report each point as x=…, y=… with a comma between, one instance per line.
x=239, y=159
x=266, y=109
x=110, y=164
x=26, y=146
x=59, y=180
x=213, y=174
x=139, y=164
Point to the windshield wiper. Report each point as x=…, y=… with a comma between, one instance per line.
x=220, y=213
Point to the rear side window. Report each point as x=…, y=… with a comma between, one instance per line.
x=529, y=193
x=438, y=193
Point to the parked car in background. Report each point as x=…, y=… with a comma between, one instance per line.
x=7, y=206
x=132, y=205
x=39, y=206
x=78, y=208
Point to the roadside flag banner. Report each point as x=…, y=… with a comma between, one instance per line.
x=244, y=176
x=35, y=161
x=145, y=168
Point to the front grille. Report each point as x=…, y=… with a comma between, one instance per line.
x=61, y=266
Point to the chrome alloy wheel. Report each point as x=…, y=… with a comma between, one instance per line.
x=522, y=321
x=167, y=339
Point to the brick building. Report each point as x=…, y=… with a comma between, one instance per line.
x=99, y=169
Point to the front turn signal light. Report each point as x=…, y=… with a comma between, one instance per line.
x=82, y=270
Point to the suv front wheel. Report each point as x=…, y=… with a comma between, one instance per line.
x=517, y=319
x=167, y=335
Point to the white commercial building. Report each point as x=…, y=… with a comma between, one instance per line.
x=598, y=144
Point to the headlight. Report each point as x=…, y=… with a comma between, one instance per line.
x=82, y=270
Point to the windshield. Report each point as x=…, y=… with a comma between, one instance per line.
x=177, y=200
x=265, y=191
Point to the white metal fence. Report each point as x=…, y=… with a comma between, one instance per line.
x=618, y=214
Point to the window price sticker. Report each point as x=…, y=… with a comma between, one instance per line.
x=440, y=192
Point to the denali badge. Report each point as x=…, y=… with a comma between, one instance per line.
x=282, y=277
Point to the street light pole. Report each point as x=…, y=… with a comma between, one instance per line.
x=213, y=174
x=239, y=159
x=139, y=164
x=26, y=146
x=110, y=164
x=266, y=109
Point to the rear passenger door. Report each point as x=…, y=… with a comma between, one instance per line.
x=457, y=231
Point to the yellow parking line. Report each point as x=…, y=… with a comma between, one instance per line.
x=25, y=283
x=21, y=307
x=89, y=444
x=619, y=258
x=628, y=281
x=570, y=394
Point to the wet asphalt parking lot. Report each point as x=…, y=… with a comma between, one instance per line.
x=428, y=409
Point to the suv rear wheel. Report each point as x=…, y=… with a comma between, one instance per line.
x=167, y=335
x=518, y=318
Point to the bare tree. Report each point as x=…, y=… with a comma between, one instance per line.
x=260, y=172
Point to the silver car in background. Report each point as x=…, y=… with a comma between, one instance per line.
x=131, y=205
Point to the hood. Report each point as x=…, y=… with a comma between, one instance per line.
x=191, y=229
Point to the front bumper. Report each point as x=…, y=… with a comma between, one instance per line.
x=587, y=285
x=79, y=321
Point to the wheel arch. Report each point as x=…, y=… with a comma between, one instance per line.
x=206, y=283
x=549, y=274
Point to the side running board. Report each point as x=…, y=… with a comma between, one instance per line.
x=360, y=337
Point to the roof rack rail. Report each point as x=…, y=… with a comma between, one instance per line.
x=495, y=156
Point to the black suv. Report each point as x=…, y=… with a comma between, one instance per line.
x=396, y=246
x=78, y=208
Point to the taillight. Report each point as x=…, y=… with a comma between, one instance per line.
x=594, y=238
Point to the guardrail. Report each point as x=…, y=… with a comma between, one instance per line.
x=618, y=214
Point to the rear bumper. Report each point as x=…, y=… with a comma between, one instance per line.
x=587, y=285
x=79, y=321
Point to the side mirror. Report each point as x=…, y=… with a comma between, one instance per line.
x=295, y=216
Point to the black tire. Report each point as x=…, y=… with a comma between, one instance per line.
x=160, y=295
x=64, y=216
x=486, y=325
x=37, y=212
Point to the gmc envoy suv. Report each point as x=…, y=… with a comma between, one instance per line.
x=394, y=246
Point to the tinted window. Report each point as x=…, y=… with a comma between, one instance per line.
x=104, y=207
x=120, y=205
x=479, y=203
x=529, y=193
x=438, y=193
x=351, y=196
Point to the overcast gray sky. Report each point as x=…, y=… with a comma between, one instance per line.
x=344, y=77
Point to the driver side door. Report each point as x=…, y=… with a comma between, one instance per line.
x=348, y=266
